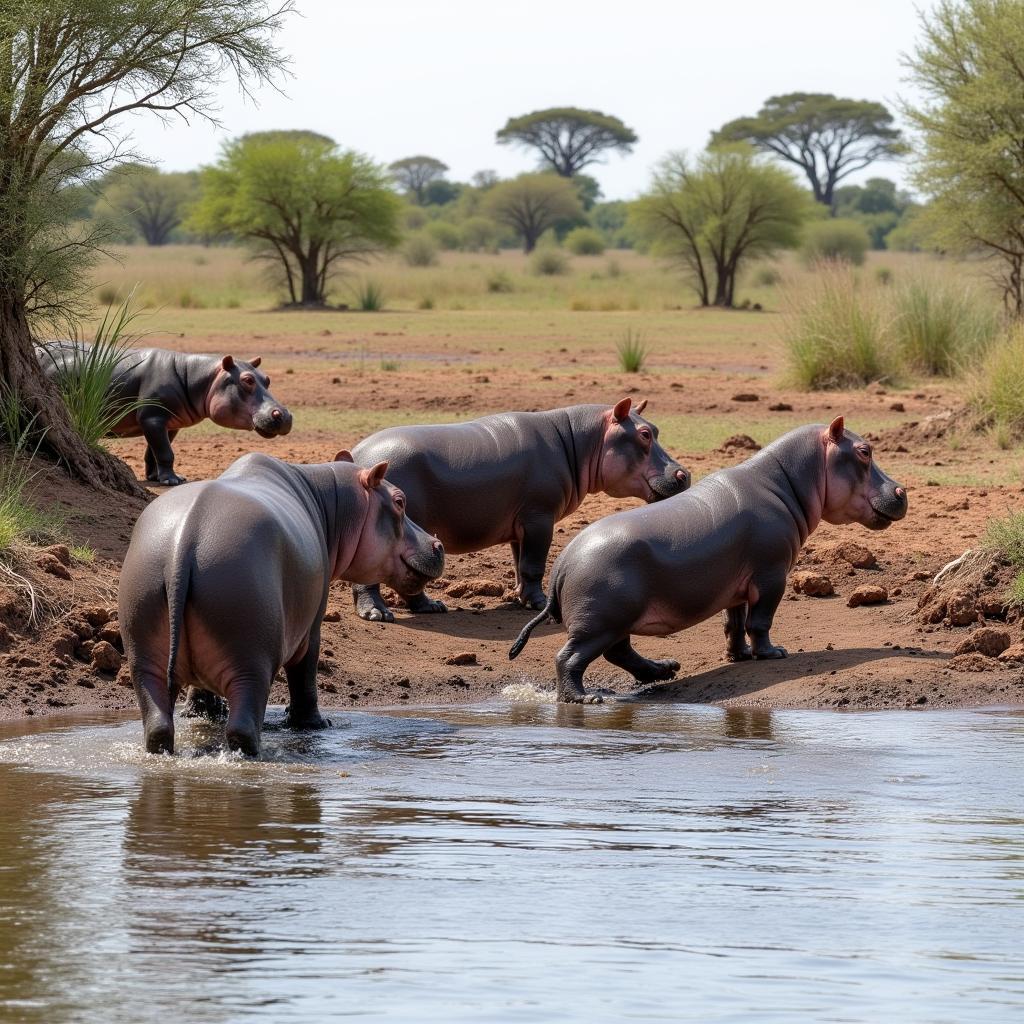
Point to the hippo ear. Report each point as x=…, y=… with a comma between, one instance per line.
x=227, y=363
x=621, y=410
x=837, y=430
x=640, y=408
x=344, y=456
x=256, y=361
x=371, y=478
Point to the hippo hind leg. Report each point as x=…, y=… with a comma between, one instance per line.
x=736, y=646
x=200, y=703
x=370, y=605
x=643, y=670
x=156, y=704
x=248, y=694
x=572, y=662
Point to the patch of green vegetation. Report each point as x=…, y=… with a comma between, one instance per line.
x=632, y=350
x=1005, y=538
x=83, y=553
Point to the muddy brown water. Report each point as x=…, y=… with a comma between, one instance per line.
x=519, y=862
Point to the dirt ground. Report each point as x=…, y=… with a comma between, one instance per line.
x=872, y=656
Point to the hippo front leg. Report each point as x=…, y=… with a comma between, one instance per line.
x=736, y=646
x=770, y=589
x=154, y=429
x=152, y=471
x=303, y=709
x=571, y=662
x=370, y=605
x=537, y=532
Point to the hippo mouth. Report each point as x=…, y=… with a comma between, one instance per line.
x=881, y=520
x=272, y=431
x=661, y=488
x=421, y=572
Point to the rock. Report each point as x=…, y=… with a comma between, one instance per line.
x=897, y=407
x=332, y=616
x=61, y=552
x=988, y=641
x=81, y=629
x=95, y=616
x=780, y=407
x=856, y=554
x=111, y=633
x=5, y=637
x=961, y=609
x=52, y=565
x=813, y=584
x=462, y=658
x=740, y=442
x=1014, y=653
x=64, y=645
x=868, y=594
x=477, y=588
x=124, y=677
x=106, y=657
x=991, y=607
x=746, y=396
x=14, y=607
x=973, y=662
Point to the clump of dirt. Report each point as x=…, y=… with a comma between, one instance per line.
x=739, y=443
x=969, y=590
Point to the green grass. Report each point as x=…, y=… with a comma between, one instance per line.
x=997, y=387
x=1005, y=537
x=632, y=350
x=83, y=553
x=369, y=297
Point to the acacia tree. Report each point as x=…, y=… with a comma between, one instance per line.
x=415, y=174
x=713, y=214
x=300, y=203
x=532, y=203
x=826, y=136
x=971, y=125
x=154, y=201
x=567, y=138
x=68, y=74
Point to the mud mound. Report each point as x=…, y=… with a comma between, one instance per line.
x=970, y=589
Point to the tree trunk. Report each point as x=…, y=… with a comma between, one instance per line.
x=312, y=293
x=19, y=369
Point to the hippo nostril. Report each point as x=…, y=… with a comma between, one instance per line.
x=900, y=493
x=438, y=548
x=275, y=414
x=681, y=475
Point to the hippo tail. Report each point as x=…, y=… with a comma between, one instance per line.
x=549, y=611
x=177, y=591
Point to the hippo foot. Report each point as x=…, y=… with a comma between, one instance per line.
x=657, y=670
x=160, y=740
x=244, y=742
x=770, y=653
x=305, y=723
x=373, y=610
x=535, y=601
x=203, y=704
x=582, y=697
x=170, y=479
x=423, y=605
x=744, y=653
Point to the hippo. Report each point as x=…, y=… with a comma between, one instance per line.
x=508, y=478
x=225, y=582
x=184, y=390
x=725, y=545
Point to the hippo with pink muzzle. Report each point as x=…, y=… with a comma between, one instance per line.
x=225, y=582
x=184, y=390
x=726, y=545
x=508, y=478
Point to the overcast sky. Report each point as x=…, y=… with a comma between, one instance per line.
x=393, y=78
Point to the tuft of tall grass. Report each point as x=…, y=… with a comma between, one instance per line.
x=549, y=262
x=838, y=335
x=18, y=517
x=996, y=388
x=500, y=283
x=1005, y=537
x=369, y=297
x=940, y=327
x=420, y=250
x=632, y=351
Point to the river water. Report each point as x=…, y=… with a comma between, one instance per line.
x=519, y=862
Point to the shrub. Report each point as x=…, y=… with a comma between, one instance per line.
x=369, y=297
x=883, y=275
x=106, y=295
x=479, y=233
x=996, y=391
x=585, y=242
x=425, y=303
x=500, y=281
x=549, y=262
x=940, y=328
x=836, y=335
x=767, y=277
x=414, y=218
x=632, y=350
x=390, y=365
x=446, y=235
x=1005, y=537
x=420, y=250
x=835, y=239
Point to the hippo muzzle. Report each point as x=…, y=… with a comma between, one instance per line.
x=272, y=421
x=674, y=480
x=423, y=556
x=889, y=505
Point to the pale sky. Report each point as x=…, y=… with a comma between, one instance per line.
x=393, y=78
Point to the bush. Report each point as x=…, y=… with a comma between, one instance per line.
x=835, y=239
x=941, y=328
x=632, y=350
x=446, y=235
x=369, y=297
x=996, y=391
x=549, y=262
x=479, y=233
x=883, y=275
x=500, y=281
x=836, y=335
x=420, y=251
x=585, y=242
x=767, y=277
x=427, y=302
x=414, y=218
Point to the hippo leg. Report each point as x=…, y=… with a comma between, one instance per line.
x=157, y=706
x=643, y=670
x=152, y=473
x=770, y=588
x=516, y=551
x=736, y=646
x=421, y=604
x=370, y=605
x=154, y=429
x=572, y=662
x=303, y=710
x=200, y=703
x=536, y=542
x=248, y=694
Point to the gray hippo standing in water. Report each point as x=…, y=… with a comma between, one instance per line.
x=226, y=581
x=725, y=545
x=508, y=478
x=183, y=390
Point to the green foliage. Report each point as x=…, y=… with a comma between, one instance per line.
x=838, y=335
x=767, y=276
x=441, y=193
x=632, y=351
x=152, y=201
x=446, y=235
x=611, y=219
x=549, y=262
x=883, y=275
x=500, y=282
x=568, y=139
x=301, y=204
x=714, y=214
x=479, y=234
x=369, y=297
x=996, y=391
x=532, y=204
x=834, y=239
x=415, y=174
x=1005, y=537
x=970, y=121
x=828, y=137
x=390, y=365
x=941, y=328
x=585, y=242
x=420, y=250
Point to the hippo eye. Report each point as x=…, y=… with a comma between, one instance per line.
x=645, y=435
x=400, y=502
x=864, y=451
x=248, y=381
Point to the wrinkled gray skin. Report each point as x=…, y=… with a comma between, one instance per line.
x=507, y=479
x=226, y=581
x=726, y=545
x=184, y=390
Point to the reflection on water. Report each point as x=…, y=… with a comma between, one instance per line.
x=520, y=862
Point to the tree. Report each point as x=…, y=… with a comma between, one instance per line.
x=532, y=203
x=300, y=203
x=713, y=214
x=971, y=128
x=828, y=137
x=68, y=75
x=154, y=201
x=415, y=173
x=568, y=139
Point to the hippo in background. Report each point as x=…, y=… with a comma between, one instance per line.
x=184, y=390
x=508, y=478
x=226, y=581
x=726, y=545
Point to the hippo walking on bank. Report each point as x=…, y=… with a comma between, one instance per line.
x=507, y=479
x=726, y=545
x=183, y=390
x=226, y=581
